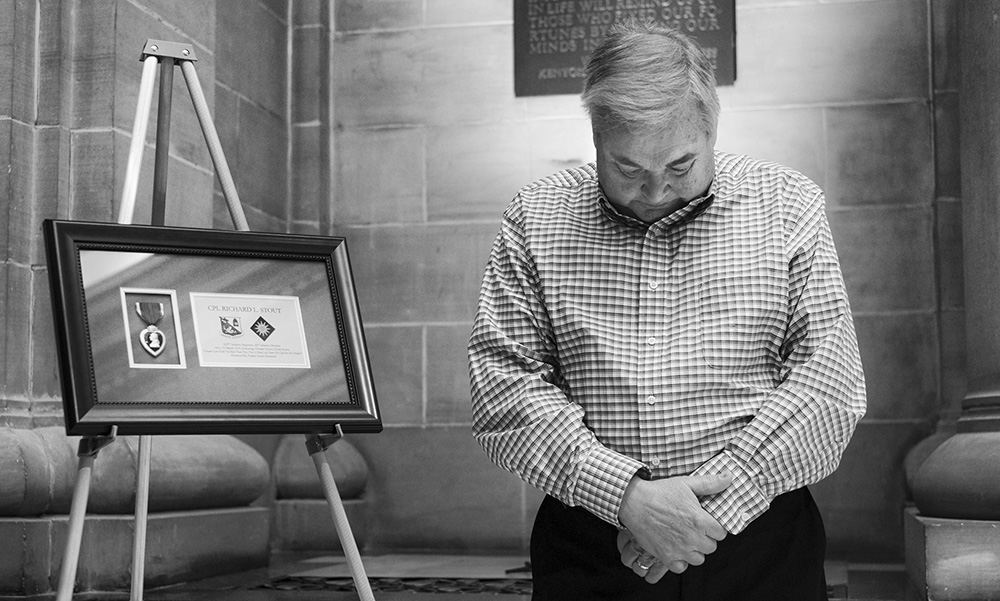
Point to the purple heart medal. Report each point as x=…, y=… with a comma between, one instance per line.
x=151, y=338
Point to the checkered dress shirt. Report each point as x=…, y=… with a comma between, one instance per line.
x=718, y=339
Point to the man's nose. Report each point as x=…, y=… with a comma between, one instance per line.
x=656, y=184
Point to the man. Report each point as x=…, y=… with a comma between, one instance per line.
x=664, y=346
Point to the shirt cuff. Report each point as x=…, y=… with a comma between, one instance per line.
x=739, y=504
x=602, y=479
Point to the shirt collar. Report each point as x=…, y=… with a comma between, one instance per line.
x=689, y=211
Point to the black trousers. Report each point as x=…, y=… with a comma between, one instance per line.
x=778, y=557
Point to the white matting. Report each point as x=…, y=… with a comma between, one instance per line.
x=421, y=566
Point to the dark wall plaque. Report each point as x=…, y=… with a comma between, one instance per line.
x=553, y=38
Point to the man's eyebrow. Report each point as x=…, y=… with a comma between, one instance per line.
x=684, y=159
x=624, y=160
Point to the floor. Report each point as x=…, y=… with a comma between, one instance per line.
x=326, y=577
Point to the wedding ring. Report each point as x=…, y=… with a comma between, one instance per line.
x=642, y=566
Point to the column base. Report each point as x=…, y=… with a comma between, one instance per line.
x=307, y=524
x=952, y=559
x=180, y=546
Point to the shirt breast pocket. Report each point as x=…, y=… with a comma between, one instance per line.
x=742, y=319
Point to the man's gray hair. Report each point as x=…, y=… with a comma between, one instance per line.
x=642, y=73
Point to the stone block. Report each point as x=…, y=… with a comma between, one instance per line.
x=397, y=359
x=950, y=259
x=259, y=165
x=380, y=176
x=902, y=241
x=44, y=356
x=6, y=193
x=434, y=488
x=196, y=18
x=310, y=72
x=879, y=154
x=438, y=76
x=35, y=180
x=473, y=171
x=26, y=569
x=307, y=524
x=953, y=348
x=945, y=51
x=419, y=273
x=354, y=15
x=789, y=136
x=952, y=560
x=806, y=53
x=180, y=547
x=448, y=397
x=17, y=330
x=861, y=502
x=310, y=173
x=91, y=65
x=252, y=65
x=278, y=8
x=4, y=342
x=92, y=170
x=460, y=12
x=306, y=13
x=555, y=144
x=7, y=13
x=947, y=150
x=900, y=355
x=35, y=56
x=258, y=220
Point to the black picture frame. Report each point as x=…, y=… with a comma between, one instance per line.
x=167, y=330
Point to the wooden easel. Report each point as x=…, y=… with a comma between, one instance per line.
x=168, y=55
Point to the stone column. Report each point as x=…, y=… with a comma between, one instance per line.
x=953, y=536
x=70, y=72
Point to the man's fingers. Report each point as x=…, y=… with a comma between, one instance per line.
x=656, y=572
x=715, y=531
x=624, y=538
x=677, y=567
x=707, y=547
x=709, y=484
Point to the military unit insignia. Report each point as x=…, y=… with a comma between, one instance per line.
x=231, y=326
x=262, y=328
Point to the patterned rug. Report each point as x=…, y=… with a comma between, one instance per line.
x=505, y=586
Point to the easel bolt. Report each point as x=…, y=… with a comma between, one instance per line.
x=90, y=445
x=166, y=49
x=318, y=443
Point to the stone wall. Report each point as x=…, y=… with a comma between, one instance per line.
x=70, y=72
x=394, y=124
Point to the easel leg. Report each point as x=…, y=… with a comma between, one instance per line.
x=77, y=513
x=143, y=106
x=141, y=516
x=317, y=449
x=89, y=447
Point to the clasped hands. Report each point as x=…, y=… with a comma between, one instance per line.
x=666, y=528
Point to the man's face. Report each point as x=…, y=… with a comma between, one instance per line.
x=649, y=175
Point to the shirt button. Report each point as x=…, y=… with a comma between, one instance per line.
x=651, y=399
x=654, y=462
x=651, y=340
x=653, y=285
x=746, y=517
